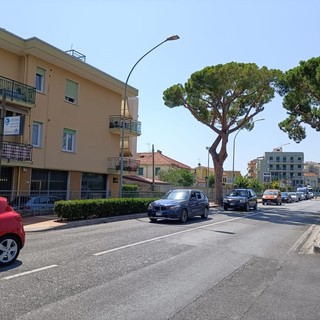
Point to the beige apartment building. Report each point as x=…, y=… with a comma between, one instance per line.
x=63, y=122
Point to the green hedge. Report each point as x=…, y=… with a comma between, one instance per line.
x=96, y=208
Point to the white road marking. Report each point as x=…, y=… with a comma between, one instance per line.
x=170, y=235
x=28, y=272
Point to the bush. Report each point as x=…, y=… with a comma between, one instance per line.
x=96, y=208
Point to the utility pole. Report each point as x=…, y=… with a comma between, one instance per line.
x=152, y=186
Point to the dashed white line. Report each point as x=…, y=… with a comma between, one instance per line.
x=28, y=272
x=168, y=235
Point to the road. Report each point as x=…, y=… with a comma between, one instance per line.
x=235, y=265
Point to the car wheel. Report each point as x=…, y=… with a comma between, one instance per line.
x=225, y=208
x=153, y=219
x=9, y=250
x=263, y=203
x=205, y=213
x=184, y=216
x=247, y=207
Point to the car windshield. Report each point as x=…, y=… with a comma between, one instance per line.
x=239, y=193
x=177, y=195
x=271, y=192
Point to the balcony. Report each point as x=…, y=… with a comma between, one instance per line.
x=17, y=151
x=129, y=164
x=132, y=128
x=17, y=92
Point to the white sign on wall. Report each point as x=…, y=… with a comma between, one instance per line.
x=13, y=126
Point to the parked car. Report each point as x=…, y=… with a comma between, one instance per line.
x=19, y=202
x=294, y=196
x=12, y=235
x=304, y=193
x=286, y=197
x=179, y=204
x=242, y=199
x=301, y=195
x=271, y=196
x=40, y=204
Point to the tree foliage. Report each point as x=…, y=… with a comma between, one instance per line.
x=225, y=98
x=300, y=88
x=241, y=182
x=256, y=185
x=177, y=177
x=211, y=180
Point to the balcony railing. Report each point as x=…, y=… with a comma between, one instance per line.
x=16, y=151
x=129, y=164
x=17, y=92
x=131, y=127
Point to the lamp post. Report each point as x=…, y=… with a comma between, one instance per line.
x=282, y=145
x=234, y=150
x=175, y=37
x=208, y=148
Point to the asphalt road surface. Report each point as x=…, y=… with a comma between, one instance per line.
x=235, y=265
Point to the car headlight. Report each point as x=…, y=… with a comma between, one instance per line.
x=150, y=206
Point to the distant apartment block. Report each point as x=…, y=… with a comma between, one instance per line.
x=287, y=167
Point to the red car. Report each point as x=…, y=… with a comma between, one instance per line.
x=12, y=235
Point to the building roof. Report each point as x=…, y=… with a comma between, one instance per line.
x=43, y=50
x=160, y=159
x=310, y=174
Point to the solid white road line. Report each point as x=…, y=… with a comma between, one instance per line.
x=28, y=272
x=170, y=235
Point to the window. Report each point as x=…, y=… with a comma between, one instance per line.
x=140, y=171
x=71, y=91
x=69, y=140
x=37, y=134
x=157, y=169
x=40, y=73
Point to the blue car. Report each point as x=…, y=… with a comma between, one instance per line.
x=179, y=204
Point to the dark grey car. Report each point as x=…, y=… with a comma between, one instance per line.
x=242, y=199
x=179, y=204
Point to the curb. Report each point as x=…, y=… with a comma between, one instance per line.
x=316, y=248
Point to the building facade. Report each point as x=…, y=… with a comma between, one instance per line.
x=150, y=164
x=70, y=116
x=286, y=167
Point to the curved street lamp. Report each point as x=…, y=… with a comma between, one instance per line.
x=175, y=37
x=234, y=150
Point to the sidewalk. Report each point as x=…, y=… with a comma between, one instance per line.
x=50, y=222
x=42, y=223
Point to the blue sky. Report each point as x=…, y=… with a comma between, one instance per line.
x=114, y=34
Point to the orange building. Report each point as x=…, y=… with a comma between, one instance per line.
x=62, y=129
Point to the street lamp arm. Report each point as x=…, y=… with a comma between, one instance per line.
x=155, y=47
x=175, y=37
